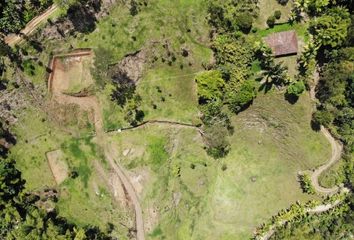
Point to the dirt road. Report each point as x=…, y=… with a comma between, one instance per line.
x=336, y=146
x=336, y=156
x=30, y=27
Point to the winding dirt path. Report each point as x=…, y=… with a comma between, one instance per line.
x=56, y=86
x=337, y=149
x=30, y=27
x=336, y=146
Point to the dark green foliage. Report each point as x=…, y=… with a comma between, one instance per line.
x=322, y=117
x=217, y=127
x=124, y=88
x=213, y=113
x=283, y=2
x=336, y=223
x=15, y=14
x=296, y=88
x=216, y=140
x=229, y=15
x=241, y=95
x=82, y=15
x=11, y=183
x=134, y=115
x=277, y=14
x=244, y=22
x=331, y=28
x=134, y=8
x=306, y=185
x=335, y=92
x=7, y=140
x=271, y=21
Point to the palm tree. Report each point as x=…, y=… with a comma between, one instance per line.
x=276, y=74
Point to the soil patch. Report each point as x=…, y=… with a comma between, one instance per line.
x=58, y=166
x=71, y=73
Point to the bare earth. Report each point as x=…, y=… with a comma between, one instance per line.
x=91, y=103
x=58, y=166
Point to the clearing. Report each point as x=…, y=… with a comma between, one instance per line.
x=58, y=166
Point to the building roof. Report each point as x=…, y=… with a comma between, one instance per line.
x=282, y=43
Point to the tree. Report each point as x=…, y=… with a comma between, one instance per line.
x=124, y=88
x=241, y=95
x=271, y=21
x=296, y=88
x=283, y=2
x=322, y=117
x=216, y=140
x=331, y=28
x=230, y=15
x=277, y=14
x=11, y=183
x=244, y=21
x=276, y=74
x=306, y=185
x=209, y=85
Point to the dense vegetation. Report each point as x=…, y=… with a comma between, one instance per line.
x=15, y=14
x=335, y=89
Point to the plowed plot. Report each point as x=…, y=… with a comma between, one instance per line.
x=71, y=74
x=58, y=166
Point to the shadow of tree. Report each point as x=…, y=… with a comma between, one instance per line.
x=291, y=98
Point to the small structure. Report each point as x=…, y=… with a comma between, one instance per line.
x=282, y=43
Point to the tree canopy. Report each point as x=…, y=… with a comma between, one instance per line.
x=209, y=85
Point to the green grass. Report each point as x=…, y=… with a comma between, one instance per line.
x=157, y=152
x=334, y=176
x=301, y=30
x=267, y=9
x=193, y=196
x=273, y=140
x=91, y=205
x=184, y=26
x=175, y=149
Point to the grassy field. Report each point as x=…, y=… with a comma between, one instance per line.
x=273, y=140
x=167, y=90
x=184, y=193
x=268, y=7
x=83, y=198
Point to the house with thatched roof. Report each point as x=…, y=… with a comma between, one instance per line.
x=282, y=43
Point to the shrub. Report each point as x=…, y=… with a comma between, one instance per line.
x=306, y=185
x=244, y=21
x=209, y=85
x=216, y=141
x=296, y=88
x=322, y=117
x=277, y=14
x=271, y=21
x=240, y=96
x=283, y=2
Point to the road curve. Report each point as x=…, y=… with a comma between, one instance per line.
x=337, y=148
x=31, y=26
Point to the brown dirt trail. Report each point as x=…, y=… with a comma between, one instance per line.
x=30, y=27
